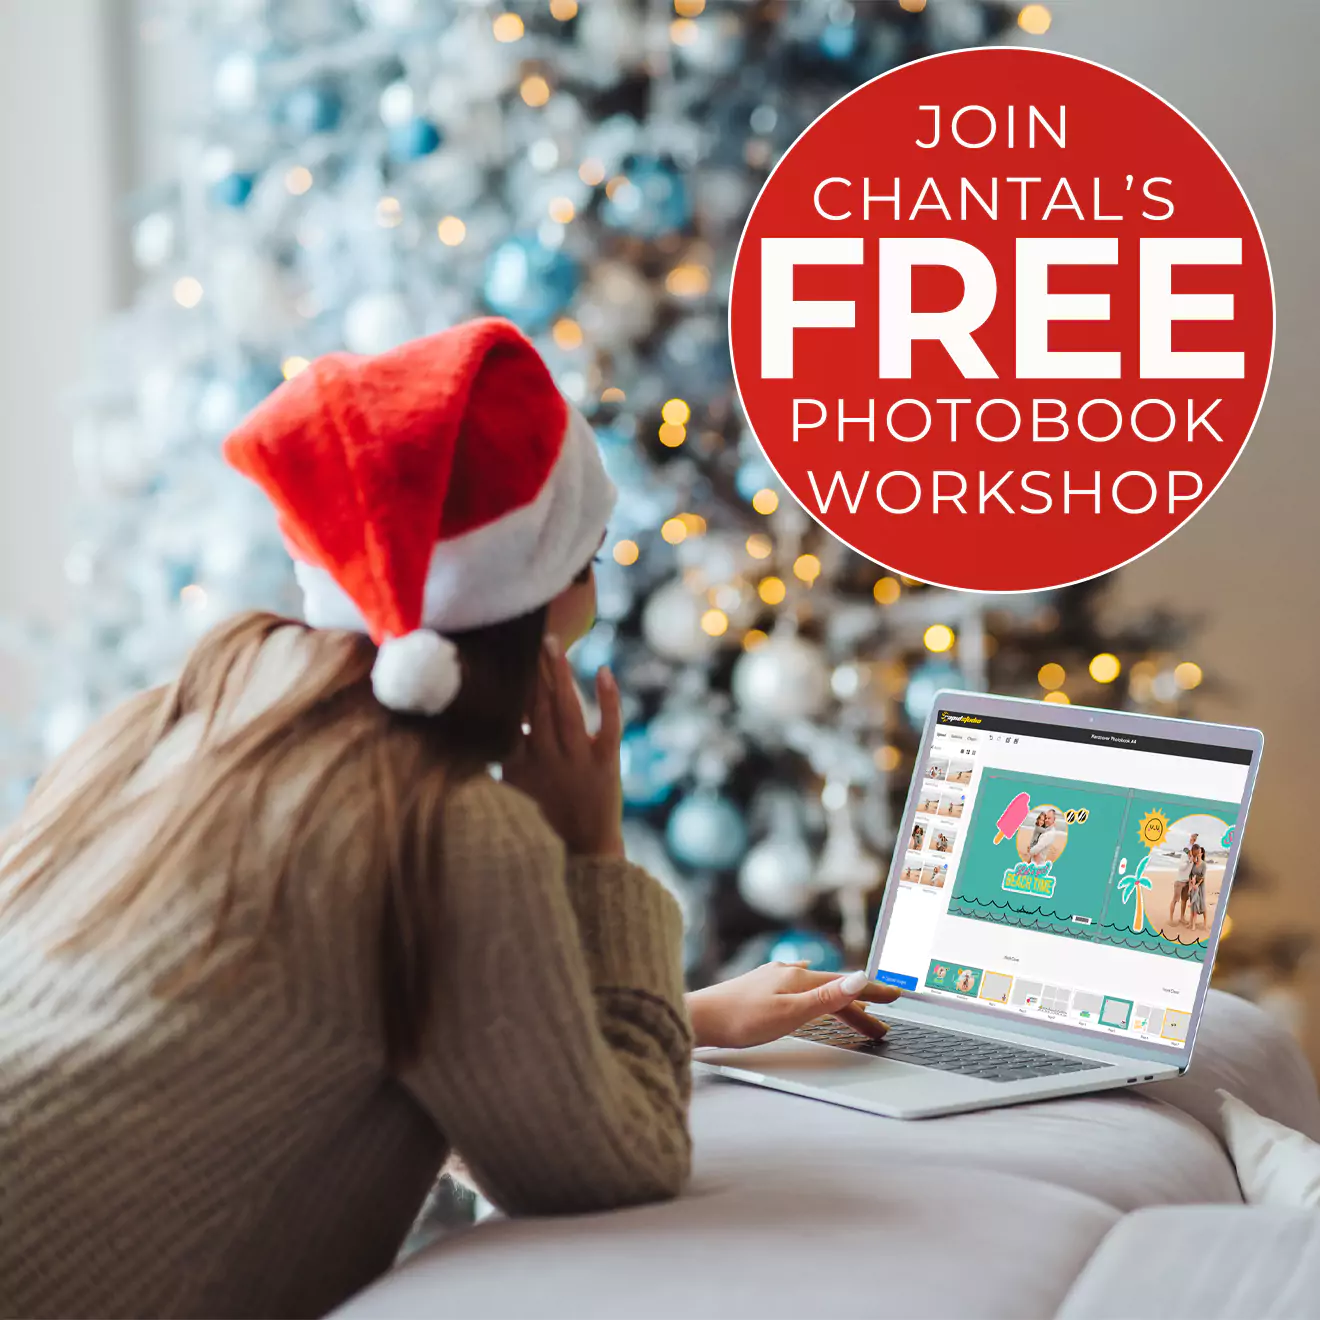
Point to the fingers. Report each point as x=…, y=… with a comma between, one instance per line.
x=610, y=733
x=871, y=992
x=860, y=1020
x=565, y=708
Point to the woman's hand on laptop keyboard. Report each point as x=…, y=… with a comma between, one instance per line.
x=776, y=999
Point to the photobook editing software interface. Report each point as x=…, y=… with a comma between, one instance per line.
x=1070, y=874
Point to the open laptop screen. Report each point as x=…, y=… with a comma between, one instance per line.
x=1064, y=872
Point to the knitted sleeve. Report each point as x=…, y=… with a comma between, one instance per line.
x=558, y=1063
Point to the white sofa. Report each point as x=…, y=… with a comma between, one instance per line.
x=1112, y=1207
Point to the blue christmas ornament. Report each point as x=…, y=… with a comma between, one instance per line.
x=413, y=139
x=529, y=282
x=594, y=650
x=179, y=574
x=649, y=771
x=925, y=681
x=817, y=951
x=314, y=108
x=753, y=474
x=233, y=189
x=838, y=42
x=650, y=201
x=707, y=832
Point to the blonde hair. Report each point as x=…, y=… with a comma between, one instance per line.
x=326, y=721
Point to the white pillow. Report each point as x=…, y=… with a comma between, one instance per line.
x=1275, y=1165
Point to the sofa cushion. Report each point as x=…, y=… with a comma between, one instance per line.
x=1208, y=1262
x=784, y=1239
x=1243, y=1050
x=1114, y=1147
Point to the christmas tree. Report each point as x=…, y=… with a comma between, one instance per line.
x=357, y=173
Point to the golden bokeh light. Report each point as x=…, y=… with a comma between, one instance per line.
x=938, y=637
x=688, y=280
x=758, y=546
x=567, y=334
x=535, y=91
x=1051, y=676
x=625, y=552
x=671, y=435
x=507, y=27
x=888, y=758
x=1105, y=667
x=293, y=365
x=1057, y=698
x=806, y=567
x=771, y=590
x=676, y=412
x=886, y=591
x=715, y=622
x=451, y=231
x=1034, y=19
x=1188, y=675
x=765, y=500
x=753, y=638
x=673, y=530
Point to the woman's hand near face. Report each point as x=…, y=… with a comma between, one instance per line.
x=778, y=998
x=572, y=775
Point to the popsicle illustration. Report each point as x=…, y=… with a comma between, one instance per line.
x=1014, y=814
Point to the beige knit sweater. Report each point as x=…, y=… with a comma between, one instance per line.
x=249, y=1154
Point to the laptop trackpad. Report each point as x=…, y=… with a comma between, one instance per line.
x=808, y=1063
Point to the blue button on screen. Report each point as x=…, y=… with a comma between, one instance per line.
x=896, y=978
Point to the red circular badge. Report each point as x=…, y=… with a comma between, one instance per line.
x=1002, y=319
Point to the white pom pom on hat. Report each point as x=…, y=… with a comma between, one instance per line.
x=418, y=672
x=442, y=486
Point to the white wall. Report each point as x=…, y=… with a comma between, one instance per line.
x=60, y=273
x=1249, y=562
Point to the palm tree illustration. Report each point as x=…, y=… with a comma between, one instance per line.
x=1130, y=887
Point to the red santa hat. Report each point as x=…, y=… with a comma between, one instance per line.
x=441, y=486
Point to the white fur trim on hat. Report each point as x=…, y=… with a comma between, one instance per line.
x=507, y=567
x=418, y=672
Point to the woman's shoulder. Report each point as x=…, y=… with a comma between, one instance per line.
x=487, y=808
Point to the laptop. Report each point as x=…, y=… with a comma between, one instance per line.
x=1051, y=916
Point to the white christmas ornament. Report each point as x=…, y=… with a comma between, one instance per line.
x=377, y=322
x=397, y=104
x=248, y=295
x=618, y=303
x=775, y=877
x=785, y=678
x=236, y=82
x=153, y=239
x=390, y=13
x=671, y=624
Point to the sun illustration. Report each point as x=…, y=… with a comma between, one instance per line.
x=1153, y=827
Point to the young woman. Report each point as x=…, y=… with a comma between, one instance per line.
x=275, y=944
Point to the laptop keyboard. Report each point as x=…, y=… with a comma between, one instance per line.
x=949, y=1051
